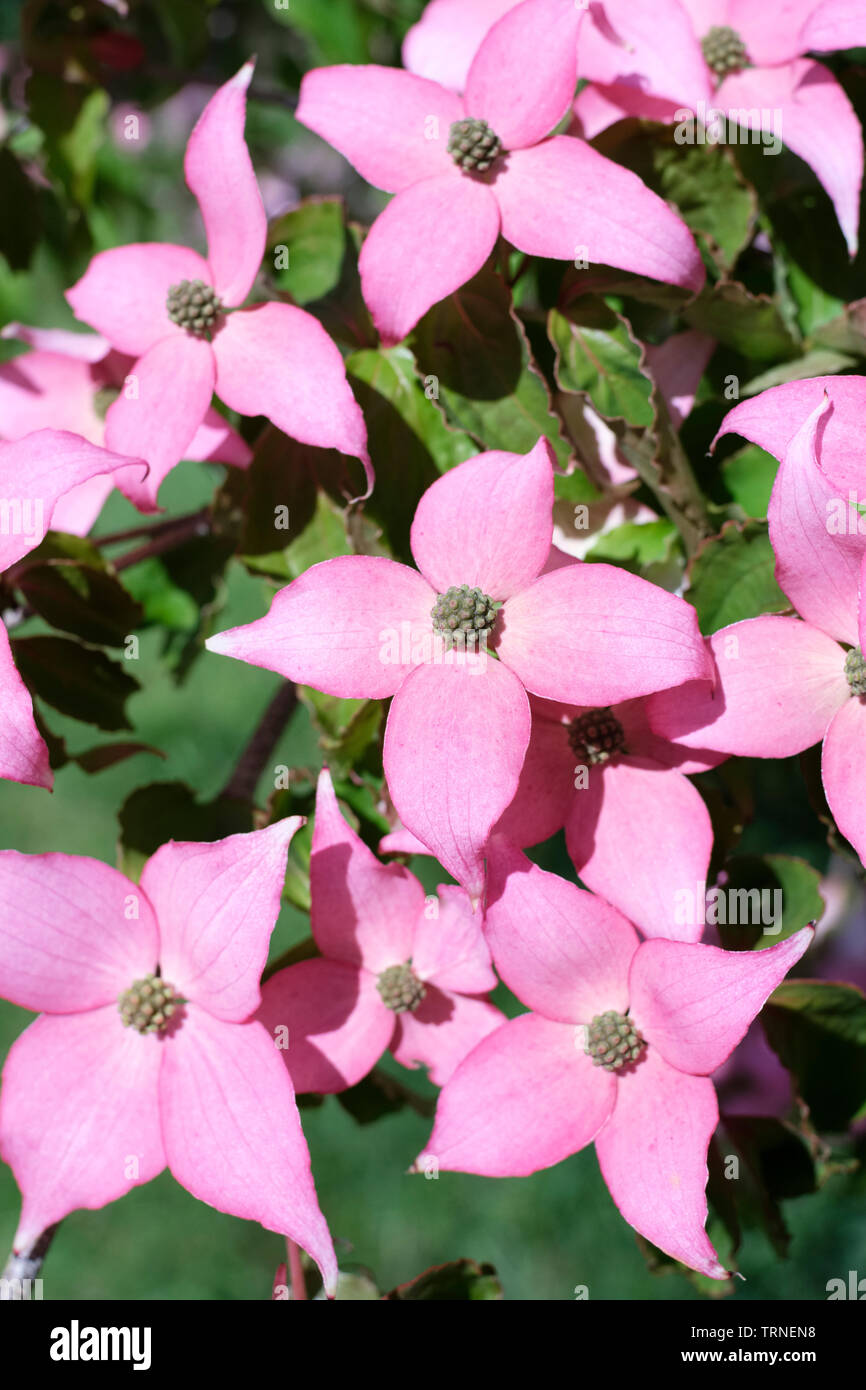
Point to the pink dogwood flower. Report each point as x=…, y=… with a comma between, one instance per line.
x=36, y=474
x=67, y=383
x=618, y=1048
x=782, y=683
x=145, y=1053
x=178, y=315
x=746, y=61
x=743, y=59
x=397, y=972
x=465, y=168
x=459, y=644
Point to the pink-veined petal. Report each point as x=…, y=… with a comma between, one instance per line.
x=454, y=745
x=592, y=634
x=78, y=509
x=640, y=862
x=61, y=342
x=695, y=1002
x=219, y=172
x=818, y=553
x=327, y=1021
x=525, y=1098
x=363, y=912
x=487, y=523
x=123, y=292
x=523, y=77
x=446, y=38
x=216, y=904
x=448, y=944
x=442, y=1031
x=562, y=951
x=430, y=239
x=677, y=365
x=596, y=108
x=806, y=100
x=74, y=933
x=772, y=418
x=546, y=789
x=392, y=126
x=232, y=1132
x=42, y=390
x=563, y=199
x=36, y=471
x=354, y=626
x=79, y=1115
x=216, y=442
x=842, y=772
x=779, y=681
x=276, y=360
x=772, y=33
x=653, y=1156
x=23, y=752
x=654, y=50
x=833, y=26
x=401, y=841
x=160, y=407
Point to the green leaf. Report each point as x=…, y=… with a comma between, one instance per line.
x=773, y=1164
x=459, y=1282
x=76, y=680
x=597, y=355
x=750, y=323
x=818, y=362
x=768, y=887
x=818, y=1030
x=380, y=1094
x=164, y=811
x=162, y=602
x=312, y=238
x=732, y=577
x=91, y=603
x=636, y=546
x=473, y=354
x=19, y=213
x=749, y=475
x=347, y=727
x=714, y=200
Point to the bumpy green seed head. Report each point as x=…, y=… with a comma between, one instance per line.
x=855, y=671
x=148, y=1004
x=596, y=736
x=400, y=988
x=473, y=145
x=195, y=306
x=612, y=1041
x=724, y=51
x=464, y=617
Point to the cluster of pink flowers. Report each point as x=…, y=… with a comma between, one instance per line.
x=529, y=691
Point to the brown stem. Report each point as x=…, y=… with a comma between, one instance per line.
x=196, y=525
x=244, y=780
x=148, y=528
x=25, y=1264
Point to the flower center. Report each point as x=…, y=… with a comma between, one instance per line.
x=195, y=306
x=612, y=1041
x=400, y=988
x=462, y=615
x=148, y=1004
x=473, y=145
x=596, y=736
x=855, y=671
x=724, y=51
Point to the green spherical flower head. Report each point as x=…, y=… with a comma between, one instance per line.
x=596, y=736
x=724, y=51
x=195, y=306
x=855, y=671
x=400, y=988
x=464, y=617
x=473, y=145
x=148, y=1004
x=612, y=1041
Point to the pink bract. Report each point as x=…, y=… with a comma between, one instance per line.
x=553, y=197
x=459, y=722
x=91, y=1108
x=530, y=1094
x=369, y=918
x=58, y=386
x=268, y=359
x=783, y=684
